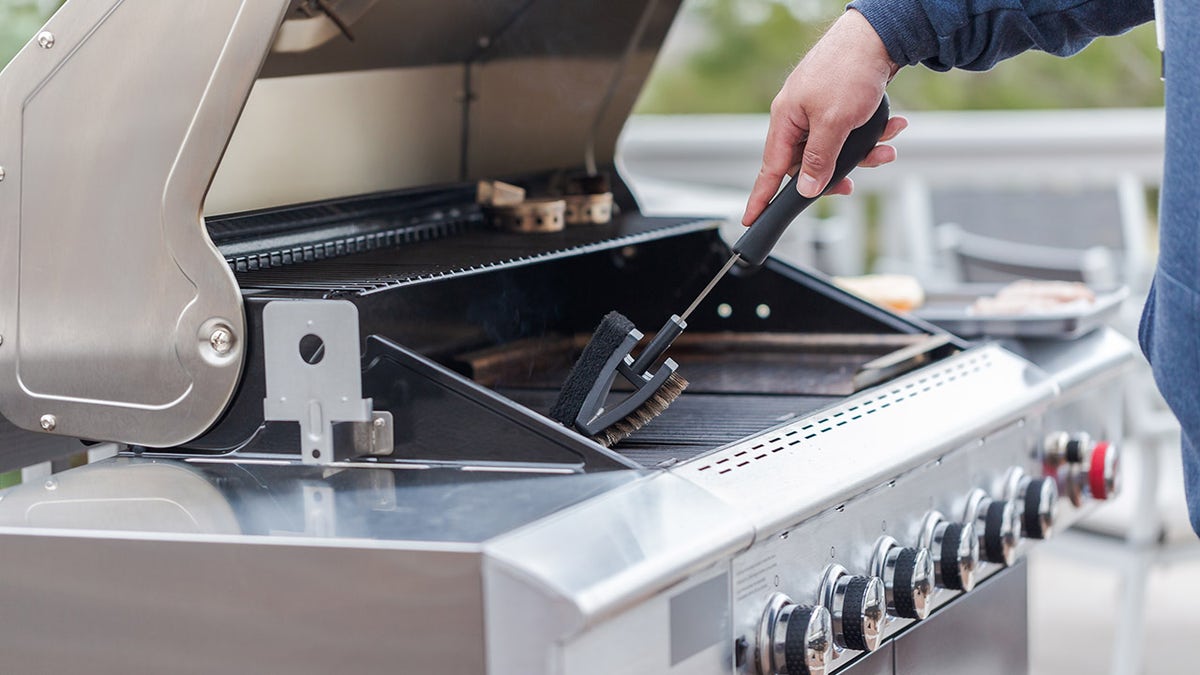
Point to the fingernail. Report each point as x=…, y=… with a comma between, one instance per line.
x=808, y=186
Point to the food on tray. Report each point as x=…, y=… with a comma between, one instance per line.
x=1030, y=296
x=898, y=292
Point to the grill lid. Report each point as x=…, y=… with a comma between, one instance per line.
x=432, y=92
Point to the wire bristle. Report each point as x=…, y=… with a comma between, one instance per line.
x=653, y=407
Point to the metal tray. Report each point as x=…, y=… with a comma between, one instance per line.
x=947, y=308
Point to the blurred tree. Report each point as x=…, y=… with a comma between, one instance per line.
x=738, y=52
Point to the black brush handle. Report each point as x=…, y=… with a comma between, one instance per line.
x=757, y=243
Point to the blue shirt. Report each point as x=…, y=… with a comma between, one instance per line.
x=976, y=34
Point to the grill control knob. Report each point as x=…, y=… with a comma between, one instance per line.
x=1082, y=467
x=1036, y=499
x=857, y=607
x=955, y=551
x=1103, y=470
x=794, y=639
x=997, y=524
x=907, y=575
x=1062, y=448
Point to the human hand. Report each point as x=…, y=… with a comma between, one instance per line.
x=835, y=89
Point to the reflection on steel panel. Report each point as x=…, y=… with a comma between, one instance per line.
x=992, y=619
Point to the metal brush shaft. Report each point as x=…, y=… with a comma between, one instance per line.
x=675, y=325
x=708, y=289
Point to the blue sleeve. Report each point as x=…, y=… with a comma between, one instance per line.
x=977, y=34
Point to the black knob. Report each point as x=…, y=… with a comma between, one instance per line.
x=1000, y=533
x=1076, y=449
x=1039, y=499
x=863, y=613
x=808, y=643
x=912, y=583
x=957, y=552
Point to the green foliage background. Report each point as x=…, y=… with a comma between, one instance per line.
x=19, y=20
x=749, y=47
x=742, y=49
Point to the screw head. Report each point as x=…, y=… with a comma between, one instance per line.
x=45, y=39
x=2, y=174
x=378, y=422
x=1, y=340
x=221, y=340
x=48, y=422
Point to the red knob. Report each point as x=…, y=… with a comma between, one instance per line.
x=1102, y=471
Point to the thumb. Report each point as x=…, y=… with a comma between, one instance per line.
x=819, y=159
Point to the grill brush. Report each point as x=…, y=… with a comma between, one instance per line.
x=609, y=354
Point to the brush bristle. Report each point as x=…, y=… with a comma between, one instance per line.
x=653, y=407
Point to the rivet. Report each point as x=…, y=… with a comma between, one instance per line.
x=45, y=39
x=379, y=422
x=1, y=340
x=2, y=174
x=51, y=484
x=221, y=340
x=48, y=422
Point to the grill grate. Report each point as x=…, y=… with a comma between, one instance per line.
x=697, y=423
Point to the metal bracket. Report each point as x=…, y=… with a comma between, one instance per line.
x=314, y=377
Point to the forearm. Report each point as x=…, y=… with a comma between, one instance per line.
x=977, y=34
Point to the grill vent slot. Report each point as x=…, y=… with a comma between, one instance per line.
x=794, y=436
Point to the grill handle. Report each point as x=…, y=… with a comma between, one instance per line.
x=757, y=243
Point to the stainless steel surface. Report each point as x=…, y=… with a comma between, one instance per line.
x=157, y=385
x=162, y=603
x=579, y=572
x=467, y=91
x=320, y=390
x=484, y=566
x=984, y=633
x=852, y=448
x=1096, y=359
x=878, y=662
x=632, y=538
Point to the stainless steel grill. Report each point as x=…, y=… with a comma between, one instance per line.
x=337, y=408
